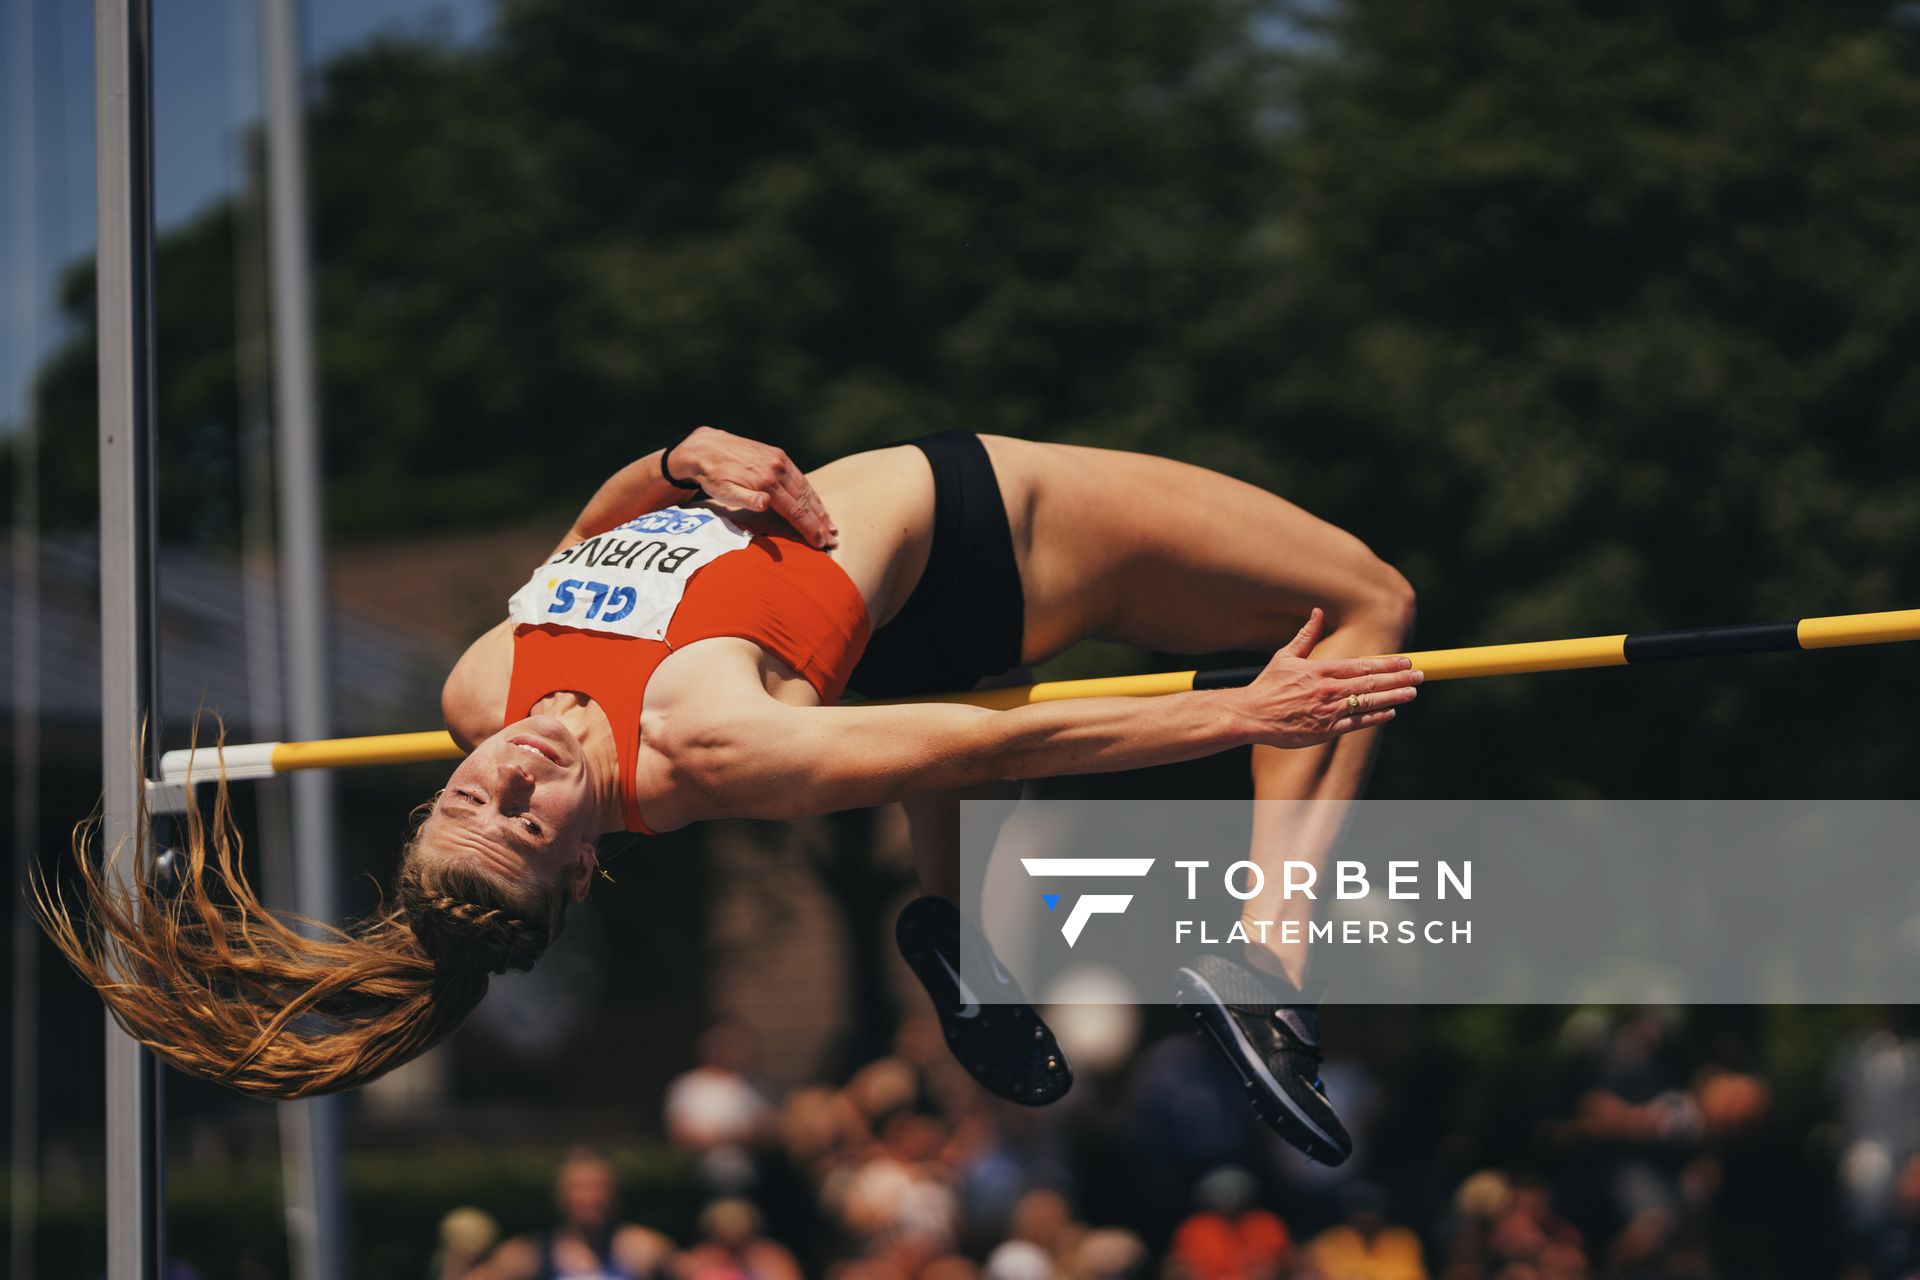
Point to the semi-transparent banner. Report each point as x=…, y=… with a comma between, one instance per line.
x=1451, y=901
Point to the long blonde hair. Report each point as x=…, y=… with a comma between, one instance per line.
x=272, y=1003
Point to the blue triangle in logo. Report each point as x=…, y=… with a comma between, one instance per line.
x=1051, y=899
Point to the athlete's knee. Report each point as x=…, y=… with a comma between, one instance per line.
x=1384, y=604
x=1401, y=606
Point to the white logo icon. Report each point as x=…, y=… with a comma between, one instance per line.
x=1091, y=904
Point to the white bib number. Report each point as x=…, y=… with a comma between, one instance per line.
x=627, y=581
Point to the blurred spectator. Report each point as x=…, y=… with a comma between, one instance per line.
x=817, y=1126
x=1635, y=1095
x=732, y=1248
x=715, y=1113
x=1227, y=1237
x=1110, y=1253
x=950, y=1267
x=1498, y=1229
x=587, y=1242
x=899, y=1194
x=466, y=1234
x=817, y=1131
x=1188, y=1115
x=1526, y=1228
x=1878, y=1080
x=1020, y=1260
x=881, y=1088
x=1478, y=1203
x=1045, y=1218
x=1729, y=1101
x=1893, y=1251
x=1364, y=1247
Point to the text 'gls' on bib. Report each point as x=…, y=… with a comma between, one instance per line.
x=627, y=581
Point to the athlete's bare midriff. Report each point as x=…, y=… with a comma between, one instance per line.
x=882, y=501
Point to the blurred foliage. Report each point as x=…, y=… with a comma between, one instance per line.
x=1592, y=317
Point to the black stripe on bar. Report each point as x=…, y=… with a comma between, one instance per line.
x=1226, y=677
x=1714, y=642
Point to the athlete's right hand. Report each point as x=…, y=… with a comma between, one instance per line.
x=750, y=476
x=1298, y=702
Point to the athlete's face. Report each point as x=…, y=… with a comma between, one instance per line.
x=520, y=807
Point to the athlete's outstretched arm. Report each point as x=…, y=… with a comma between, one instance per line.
x=734, y=471
x=762, y=759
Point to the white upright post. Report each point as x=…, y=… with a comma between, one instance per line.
x=123, y=96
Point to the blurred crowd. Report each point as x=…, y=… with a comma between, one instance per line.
x=1640, y=1161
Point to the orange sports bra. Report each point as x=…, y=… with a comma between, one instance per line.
x=791, y=600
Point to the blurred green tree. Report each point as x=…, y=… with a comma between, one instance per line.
x=1592, y=317
x=1600, y=318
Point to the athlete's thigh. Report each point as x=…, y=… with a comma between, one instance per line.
x=1165, y=555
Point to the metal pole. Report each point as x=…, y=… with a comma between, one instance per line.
x=123, y=159
x=273, y=837
x=315, y=1202
x=24, y=1159
x=273, y=833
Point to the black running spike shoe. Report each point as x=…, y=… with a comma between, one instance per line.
x=1270, y=1033
x=1004, y=1044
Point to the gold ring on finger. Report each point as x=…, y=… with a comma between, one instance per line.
x=1353, y=702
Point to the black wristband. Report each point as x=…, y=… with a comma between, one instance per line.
x=667, y=475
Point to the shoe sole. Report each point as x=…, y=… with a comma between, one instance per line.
x=1036, y=1086
x=1275, y=1107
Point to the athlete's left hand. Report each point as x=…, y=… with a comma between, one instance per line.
x=742, y=473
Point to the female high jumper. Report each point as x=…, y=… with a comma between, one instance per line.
x=680, y=656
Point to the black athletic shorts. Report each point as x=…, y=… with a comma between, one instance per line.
x=965, y=617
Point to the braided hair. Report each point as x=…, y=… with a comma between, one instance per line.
x=462, y=920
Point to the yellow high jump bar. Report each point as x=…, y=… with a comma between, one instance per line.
x=268, y=759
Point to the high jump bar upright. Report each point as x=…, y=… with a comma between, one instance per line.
x=123, y=168
x=267, y=759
